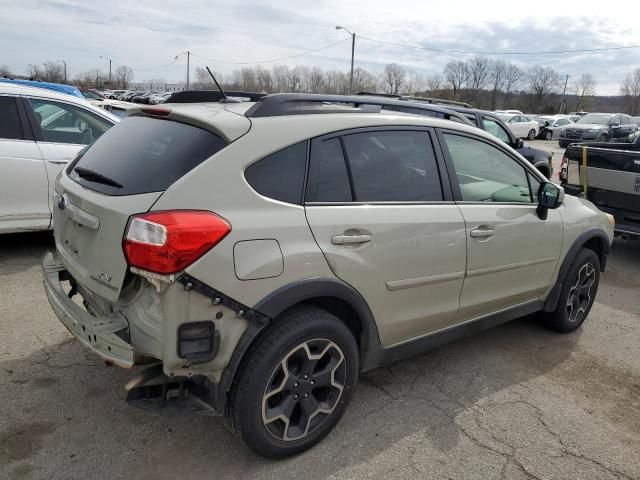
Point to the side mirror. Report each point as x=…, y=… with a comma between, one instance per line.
x=519, y=143
x=551, y=196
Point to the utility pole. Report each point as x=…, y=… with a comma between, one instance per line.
x=353, y=50
x=65, y=70
x=188, y=55
x=563, y=103
x=105, y=58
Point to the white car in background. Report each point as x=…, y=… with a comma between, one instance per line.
x=40, y=132
x=521, y=126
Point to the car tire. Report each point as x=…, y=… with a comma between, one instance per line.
x=579, y=290
x=295, y=383
x=603, y=138
x=531, y=135
x=548, y=135
x=563, y=144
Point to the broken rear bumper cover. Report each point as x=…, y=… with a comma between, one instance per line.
x=96, y=333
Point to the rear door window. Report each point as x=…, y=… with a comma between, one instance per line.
x=142, y=155
x=10, y=126
x=393, y=166
x=280, y=175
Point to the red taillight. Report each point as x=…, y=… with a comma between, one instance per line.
x=167, y=242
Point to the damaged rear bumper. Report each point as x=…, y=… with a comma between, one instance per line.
x=96, y=333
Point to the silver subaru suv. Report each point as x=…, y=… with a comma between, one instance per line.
x=258, y=256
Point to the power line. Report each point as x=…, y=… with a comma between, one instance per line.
x=306, y=52
x=483, y=52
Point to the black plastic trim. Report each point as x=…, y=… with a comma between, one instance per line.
x=219, y=298
x=380, y=355
x=552, y=298
x=214, y=336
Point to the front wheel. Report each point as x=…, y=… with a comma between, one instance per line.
x=532, y=134
x=603, y=138
x=548, y=135
x=295, y=383
x=578, y=293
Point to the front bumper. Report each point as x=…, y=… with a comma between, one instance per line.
x=96, y=333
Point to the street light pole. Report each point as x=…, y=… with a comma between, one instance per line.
x=188, y=54
x=353, y=50
x=65, y=70
x=563, y=103
x=109, y=69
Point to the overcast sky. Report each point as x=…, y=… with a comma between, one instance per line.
x=150, y=33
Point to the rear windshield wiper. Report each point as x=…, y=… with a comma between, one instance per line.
x=96, y=177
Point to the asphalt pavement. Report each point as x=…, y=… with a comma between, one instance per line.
x=514, y=402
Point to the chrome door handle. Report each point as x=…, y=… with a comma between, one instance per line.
x=350, y=239
x=482, y=233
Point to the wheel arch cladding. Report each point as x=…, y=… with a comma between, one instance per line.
x=595, y=240
x=334, y=296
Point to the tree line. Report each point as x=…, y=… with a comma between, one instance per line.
x=483, y=82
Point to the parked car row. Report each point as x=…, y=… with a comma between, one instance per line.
x=148, y=98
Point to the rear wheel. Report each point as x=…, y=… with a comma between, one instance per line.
x=532, y=134
x=295, y=383
x=603, y=138
x=578, y=293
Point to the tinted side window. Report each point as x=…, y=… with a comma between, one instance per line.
x=393, y=166
x=280, y=175
x=485, y=173
x=10, y=126
x=328, y=176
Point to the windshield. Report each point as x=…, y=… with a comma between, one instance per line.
x=597, y=118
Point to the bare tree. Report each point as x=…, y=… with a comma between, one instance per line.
x=264, y=79
x=456, y=74
x=542, y=81
x=122, y=76
x=294, y=79
x=53, y=72
x=434, y=84
x=94, y=78
x=203, y=79
x=585, y=88
x=248, y=79
x=630, y=88
x=5, y=71
x=512, y=76
x=315, y=81
x=280, y=78
x=364, y=81
x=337, y=82
x=393, y=77
x=498, y=79
x=478, y=76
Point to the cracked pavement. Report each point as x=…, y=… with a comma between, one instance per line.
x=514, y=402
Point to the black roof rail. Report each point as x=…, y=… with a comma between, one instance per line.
x=439, y=101
x=200, y=96
x=281, y=104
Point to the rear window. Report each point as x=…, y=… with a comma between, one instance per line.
x=142, y=155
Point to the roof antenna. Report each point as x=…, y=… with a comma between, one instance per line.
x=225, y=99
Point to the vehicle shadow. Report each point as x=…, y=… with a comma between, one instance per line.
x=20, y=251
x=65, y=412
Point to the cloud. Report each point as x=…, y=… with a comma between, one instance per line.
x=149, y=33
